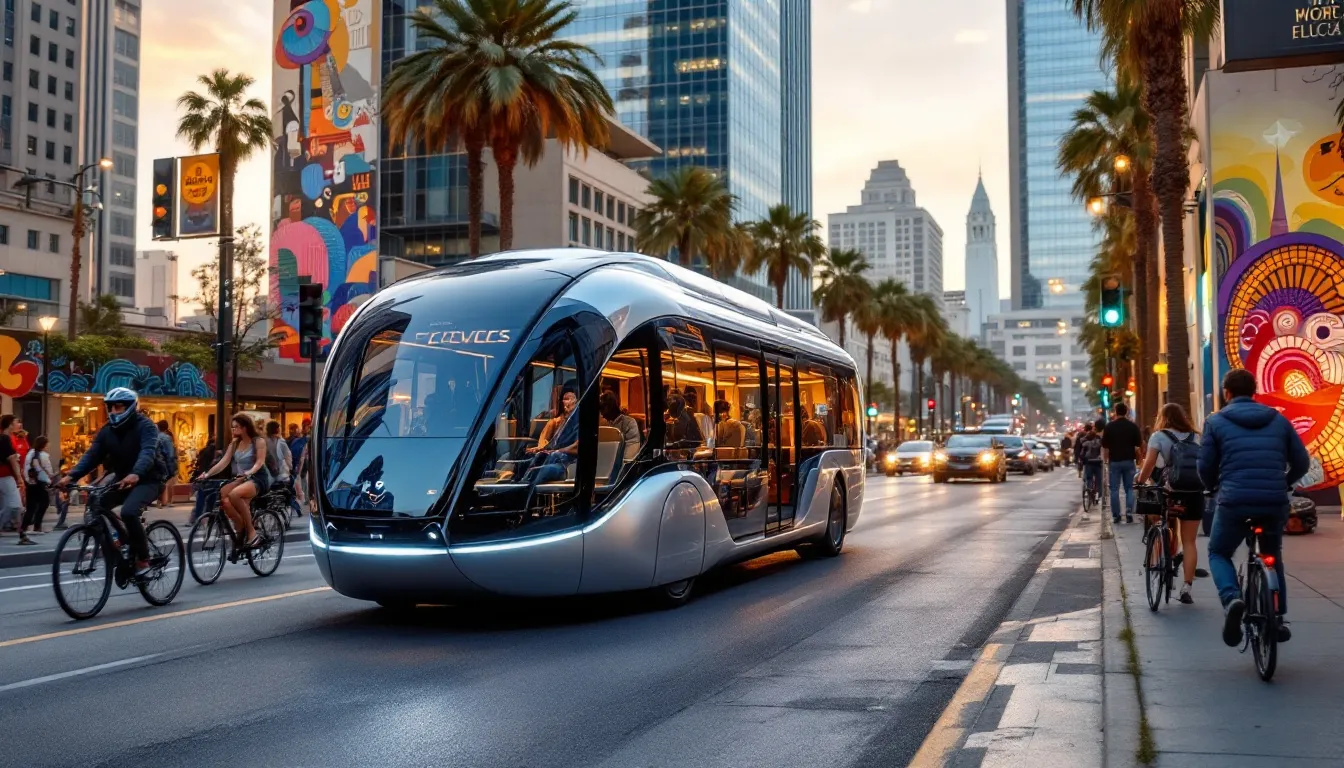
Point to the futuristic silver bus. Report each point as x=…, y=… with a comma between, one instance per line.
x=570, y=421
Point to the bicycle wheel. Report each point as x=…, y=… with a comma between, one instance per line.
x=83, y=584
x=165, y=563
x=1154, y=567
x=1262, y=623
x=1170, y=569
x=207, y=548
x=1087, y=499
x=265, y=558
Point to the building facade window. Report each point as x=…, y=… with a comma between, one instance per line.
x=51, y=84
x=573, y=191
x=121, y=256
x=122, y=286
x=123, y=164
x=34, y=239
x=32, y=145
x=4, y=234
x=123, y=135
x=125, y=75
x=123, y=225
x=28, y=286
x=54, y=243
x=69, y=123
x=124, y=105
x=35, y=13
x=68, y=155
x=126, y=44
x=573, y=227
x=123, y=194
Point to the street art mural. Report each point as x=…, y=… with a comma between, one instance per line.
x=325, y=176
x=1277, y=162
x=147, y=373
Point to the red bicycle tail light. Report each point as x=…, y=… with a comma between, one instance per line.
x=1258, y=531
x=1269, y=561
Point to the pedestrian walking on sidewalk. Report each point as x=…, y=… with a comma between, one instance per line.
x=1252, y=455
x=1121, y=448
x=205, y=458
x=169, y=448
x=1173, y=462
x=37, y=477
x=11, y=476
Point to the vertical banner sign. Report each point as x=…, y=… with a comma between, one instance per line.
x=1277, y=171
x=326, y=78
x=198, y=196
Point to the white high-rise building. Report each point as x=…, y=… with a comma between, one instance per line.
x=156, y=296
x=1042, y=345
x=900, y=240
x=982, y=262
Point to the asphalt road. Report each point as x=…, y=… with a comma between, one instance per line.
x=779, y=661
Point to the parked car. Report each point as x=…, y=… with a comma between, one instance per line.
x=914, y=456
x=973, y=456
x=1018, y=456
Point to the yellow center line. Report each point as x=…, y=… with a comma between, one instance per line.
x=159, y=617
x=950, y=728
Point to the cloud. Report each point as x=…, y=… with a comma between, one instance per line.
x=971, y=36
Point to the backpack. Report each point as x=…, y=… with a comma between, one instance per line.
x=164, y=465
x=1091, y=449
x=272, y=459
x=32, y=468
x=1183, y=464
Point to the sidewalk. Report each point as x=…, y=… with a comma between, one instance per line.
x=1205, y=703
x=12, y=555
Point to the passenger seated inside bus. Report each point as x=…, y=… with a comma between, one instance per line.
x=683, y=430
x=814, y=430
x=728, y=432
x=610, y=408
x=702, y=418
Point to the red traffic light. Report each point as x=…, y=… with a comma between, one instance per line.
x=1107, y=381
x=932, y=403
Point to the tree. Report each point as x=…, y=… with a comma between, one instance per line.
x=251, y=301
x=898, y=314
x=868, y=318
x=1148, y=37
x=928, y=331
x=842, y=287
x=1112, y=124
x=692, y=211
x=227, y=120
x=786, y=242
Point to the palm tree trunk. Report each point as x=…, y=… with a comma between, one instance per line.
x=844, y=321
x=868, y=395
x=779, y=293
x=896, y=387
x=475, y=145
x=1145, y=275
x=1165, y=98
x=684, y=250
x=506, y=159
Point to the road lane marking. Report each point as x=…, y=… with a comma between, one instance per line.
x=160, y=617
x=949, y=729
x=76, y=672
x=45, y=575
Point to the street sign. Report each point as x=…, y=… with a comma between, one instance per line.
x=199, y=196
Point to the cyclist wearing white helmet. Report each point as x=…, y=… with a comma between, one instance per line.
x=126, y=447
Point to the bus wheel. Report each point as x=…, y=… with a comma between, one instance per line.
x=676, y=594
x=832, y=539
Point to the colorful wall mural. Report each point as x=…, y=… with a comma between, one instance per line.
x=1277, y=164
x=148, y=374
x=327, y=76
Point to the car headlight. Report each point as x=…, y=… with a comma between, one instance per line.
x=987, y=457
x=1058, y=454
x=939, y=457
x=1024, y=455
x=924, y=459
x=891, y=458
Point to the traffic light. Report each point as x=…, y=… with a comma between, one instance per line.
x=1107, y=381
x=161, y=198
x=1130, y=389
x=1105, y=400
x=872, y=410
x=310, y=318
x=932, y=403
x=1112, y=312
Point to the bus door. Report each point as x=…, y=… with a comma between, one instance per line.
x=781, y=440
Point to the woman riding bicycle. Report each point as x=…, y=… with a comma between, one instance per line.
x=1174, y=432
x=247, y=454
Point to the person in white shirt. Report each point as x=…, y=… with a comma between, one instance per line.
x=37, y=475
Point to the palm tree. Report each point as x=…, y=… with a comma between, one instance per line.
x=692, y=211
x=786, y=242
x=727, y=252
x=926, y=334
x=498, y=74
x=1148, y=37
x=899, y=314
x=1111, y=125
x=868, y=318
x=842, y=287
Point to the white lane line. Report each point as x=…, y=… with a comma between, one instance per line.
x=47, y=575
x=76, y=672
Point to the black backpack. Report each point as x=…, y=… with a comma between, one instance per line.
x=1091, y=449
x=1182, y=472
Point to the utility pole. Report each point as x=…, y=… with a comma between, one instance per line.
x=223, y=335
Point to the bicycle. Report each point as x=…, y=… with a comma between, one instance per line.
x=101, y=540
x=213, y=540
x=1260, y=589
x=1159, y=566
x=1091, y=494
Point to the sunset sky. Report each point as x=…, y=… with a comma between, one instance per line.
x=903, y=80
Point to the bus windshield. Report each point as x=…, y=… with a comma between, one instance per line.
x=397, y=415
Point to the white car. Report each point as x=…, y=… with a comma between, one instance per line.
x=1045, y=455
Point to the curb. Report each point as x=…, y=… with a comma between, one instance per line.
x=44, y=556
x=1120, y=696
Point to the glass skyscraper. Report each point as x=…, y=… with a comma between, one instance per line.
x=724, y=84
x=1053, y=64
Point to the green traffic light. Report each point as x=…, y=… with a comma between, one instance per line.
x=871, y=411
x=1111, y=316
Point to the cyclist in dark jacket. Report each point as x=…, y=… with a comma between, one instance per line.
x=1252, y=455
x=126, y=447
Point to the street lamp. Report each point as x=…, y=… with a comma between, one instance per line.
x=46, y=322
x=1121, y=163
x=1096, y=206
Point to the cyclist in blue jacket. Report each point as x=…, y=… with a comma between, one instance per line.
x=1252, y=455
